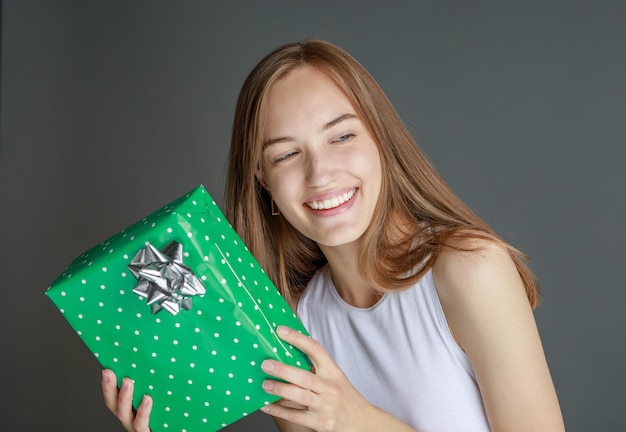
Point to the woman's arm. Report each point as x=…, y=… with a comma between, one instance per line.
x=485, y=303
x=322, y=399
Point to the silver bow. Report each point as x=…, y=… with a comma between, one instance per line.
x=163, y=279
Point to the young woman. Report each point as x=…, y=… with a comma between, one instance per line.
x=420, y=315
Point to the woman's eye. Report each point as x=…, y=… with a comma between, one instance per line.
x=285, y=156
x=344, y=137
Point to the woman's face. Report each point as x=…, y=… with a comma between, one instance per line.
x=320, y=164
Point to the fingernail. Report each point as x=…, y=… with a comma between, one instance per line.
x=125, y=383
x=268, y=385
x=267, y=365
x=146, y=401
x=265, y=408
x=282, y=330
x=105, y=376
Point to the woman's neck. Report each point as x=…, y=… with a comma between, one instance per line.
x=348, y=281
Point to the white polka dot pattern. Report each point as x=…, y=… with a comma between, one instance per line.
x=202, y=366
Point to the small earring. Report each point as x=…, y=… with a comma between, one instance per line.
x=275, y=210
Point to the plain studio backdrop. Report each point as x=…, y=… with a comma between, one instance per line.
x=110, y=109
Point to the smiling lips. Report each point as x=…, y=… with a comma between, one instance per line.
x=331, y=203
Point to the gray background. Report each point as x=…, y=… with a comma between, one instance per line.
x=111, y=109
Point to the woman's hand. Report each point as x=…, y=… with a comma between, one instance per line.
x=322, y=399
x=120, y=403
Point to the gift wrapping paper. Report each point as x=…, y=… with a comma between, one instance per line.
x=177, y=303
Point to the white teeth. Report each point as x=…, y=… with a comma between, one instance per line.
x=331, y=202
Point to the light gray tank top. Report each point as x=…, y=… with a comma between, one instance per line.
x=399, y=354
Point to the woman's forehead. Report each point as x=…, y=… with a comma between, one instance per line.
x=305, y=95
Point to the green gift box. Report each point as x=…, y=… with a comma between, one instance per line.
x=177, y=303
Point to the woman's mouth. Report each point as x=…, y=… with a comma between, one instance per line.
x=331, y=203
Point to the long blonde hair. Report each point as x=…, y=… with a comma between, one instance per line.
x=417, y=213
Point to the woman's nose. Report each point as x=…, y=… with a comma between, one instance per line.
x=320, y=168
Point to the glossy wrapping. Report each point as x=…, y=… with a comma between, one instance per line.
x=201, y=366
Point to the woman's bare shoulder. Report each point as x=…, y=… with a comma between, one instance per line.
x=473, y=263
x=476, y=279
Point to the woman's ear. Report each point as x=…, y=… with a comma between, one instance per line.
x=259, y=178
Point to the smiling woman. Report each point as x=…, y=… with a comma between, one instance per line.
x=420, y=314
x=324, y=172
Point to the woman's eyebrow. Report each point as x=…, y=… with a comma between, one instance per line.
x=271, y=141
x=330, y=124
x=338, y=120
